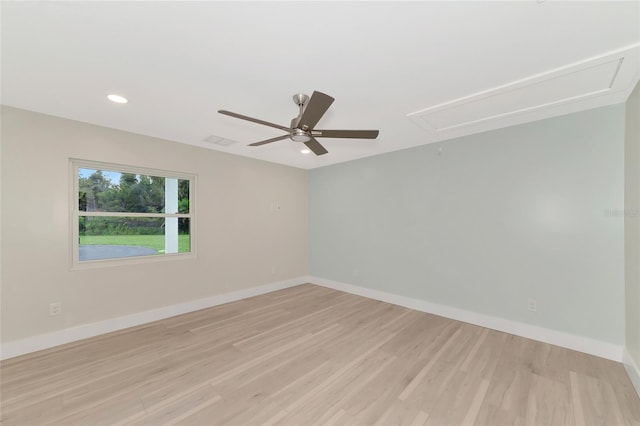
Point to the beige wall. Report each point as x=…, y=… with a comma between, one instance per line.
x=241, y=243
x=632, y=224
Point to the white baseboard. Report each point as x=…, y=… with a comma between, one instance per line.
x=60, y=337
x=579, y=343
x=632, y=370
x=546, y=335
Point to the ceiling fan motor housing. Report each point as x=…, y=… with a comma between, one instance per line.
x=299, y=135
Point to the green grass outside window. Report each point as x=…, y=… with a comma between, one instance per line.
x=155, y=242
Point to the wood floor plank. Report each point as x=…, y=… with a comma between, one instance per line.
x=578, y=412
x=176, y=409
x=456, y=402
x=549, y=403
x=310, y=355
x=474, y=408
x=510, y=384
x=425, y=370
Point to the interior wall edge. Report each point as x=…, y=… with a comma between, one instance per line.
x=84, y=331
x=633, y=371
x=555, y=337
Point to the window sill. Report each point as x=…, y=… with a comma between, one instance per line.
x=137, y=260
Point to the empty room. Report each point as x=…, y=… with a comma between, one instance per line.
x=320, y=213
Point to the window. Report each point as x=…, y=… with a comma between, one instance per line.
x=123, y=213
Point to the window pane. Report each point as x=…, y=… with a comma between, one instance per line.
x=117, y=237
x=112, y=191
x=184, y=235
x=183, y=196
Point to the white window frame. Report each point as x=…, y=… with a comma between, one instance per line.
x=76, y=164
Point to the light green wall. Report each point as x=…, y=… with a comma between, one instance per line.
x=487, y=221
x=632, y=224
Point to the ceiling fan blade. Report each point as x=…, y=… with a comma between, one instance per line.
x=277, y=138
x=315, y=109
x=315, y=146
x=353, y=134
x=254, y=120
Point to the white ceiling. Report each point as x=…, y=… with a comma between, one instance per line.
x=420, y=72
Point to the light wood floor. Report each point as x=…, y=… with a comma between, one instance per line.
x=310, y=355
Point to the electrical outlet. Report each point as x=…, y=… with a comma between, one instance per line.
x=55, y=308
x=532, y=305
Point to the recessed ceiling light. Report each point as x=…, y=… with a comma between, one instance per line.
x=305, y=151
x=117, y=99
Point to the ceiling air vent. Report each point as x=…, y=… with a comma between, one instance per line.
x=219, y=140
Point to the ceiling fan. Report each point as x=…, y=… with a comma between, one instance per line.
x=302, y=127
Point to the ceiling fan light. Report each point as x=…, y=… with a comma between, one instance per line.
x=305, y=151
x=300, y=138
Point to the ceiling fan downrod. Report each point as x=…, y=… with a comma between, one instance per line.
x=301, y=100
